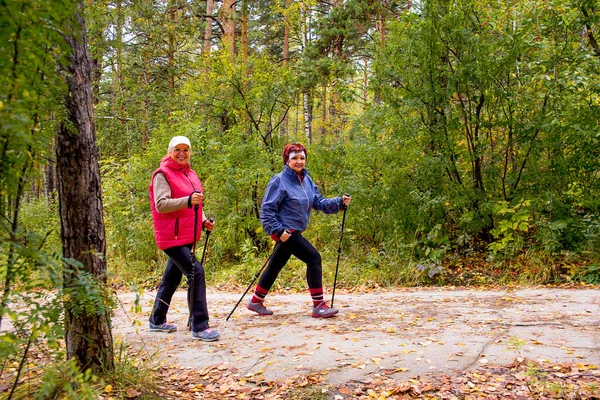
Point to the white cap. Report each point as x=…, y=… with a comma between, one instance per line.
x=179, y=140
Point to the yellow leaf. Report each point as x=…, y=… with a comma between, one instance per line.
x=108, y=388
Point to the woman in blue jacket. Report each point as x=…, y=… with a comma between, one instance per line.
x=284, y=214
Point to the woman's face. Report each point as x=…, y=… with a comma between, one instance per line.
x=297, y=162
x=181, y=154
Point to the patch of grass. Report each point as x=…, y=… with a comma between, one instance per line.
x=132, y=377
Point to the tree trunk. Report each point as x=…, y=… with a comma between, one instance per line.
x=286, y=57
x=144, y=127
x=119, y=100
x=335, y=106
x=244, y=35
x=324, y=111
x=49, y=184
x=366, y=84
x=380, y=26
x=227, y=13
x=171, y=10
x=208, y=29
x=307, y=105
x=88, y=335
x=286, y=39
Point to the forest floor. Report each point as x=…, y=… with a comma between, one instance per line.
x=434, y=343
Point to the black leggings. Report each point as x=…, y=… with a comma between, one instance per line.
x=297, y=246
x=181, y=263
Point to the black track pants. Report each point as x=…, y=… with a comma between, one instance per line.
x=297, y=246
x=179, y=264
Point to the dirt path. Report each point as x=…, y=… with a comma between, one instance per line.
x=398, y=333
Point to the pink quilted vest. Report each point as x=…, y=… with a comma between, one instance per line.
x=176, y=228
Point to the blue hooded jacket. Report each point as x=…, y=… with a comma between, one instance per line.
x=288, y=201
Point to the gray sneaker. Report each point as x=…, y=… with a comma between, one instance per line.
x=207, y=335
x=258, y=308
x=323, y=311
x=162, y=327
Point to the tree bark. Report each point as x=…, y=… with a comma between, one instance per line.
x=244, y=35
x=335, y=104
x=283, y=129
x=227, y=13
x=171, y=18
x=307, y=106
x=208, y=29
x=88, y=334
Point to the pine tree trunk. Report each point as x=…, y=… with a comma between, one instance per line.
x=283, y=129
x=171, y=11
x=227, y=13
x=88, y=334
x=244, y=35
x=208, y=29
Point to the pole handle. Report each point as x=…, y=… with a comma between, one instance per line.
x=345, y=207
x=211, y=220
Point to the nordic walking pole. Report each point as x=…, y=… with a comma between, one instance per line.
x=211, y=220
x=191, y=279
x=339, y=250
x=191, y=282
x=255, y=276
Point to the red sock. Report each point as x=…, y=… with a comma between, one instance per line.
x=317, y=296
x=259, y=294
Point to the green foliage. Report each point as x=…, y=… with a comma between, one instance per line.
x=480, y=135
x=83, y=295
x=482, y=139
x=32, y=47
x=39, y=218
x=130, y=242
x=590, y=274
x=67, y=381
x=511, y=225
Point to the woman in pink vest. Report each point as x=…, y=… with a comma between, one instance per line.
x=175, y=190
